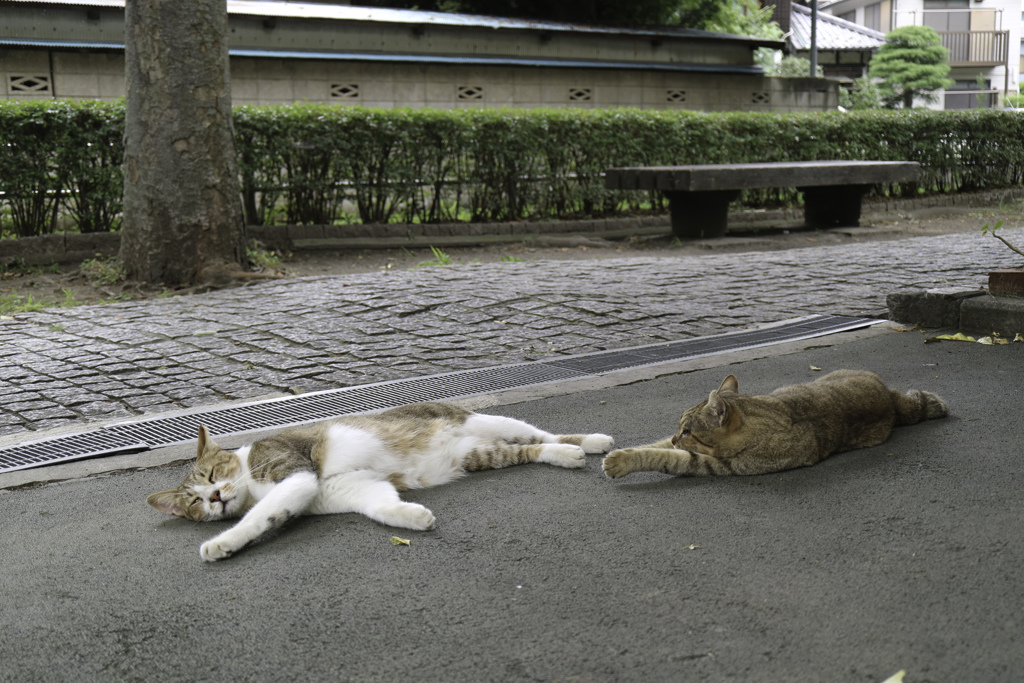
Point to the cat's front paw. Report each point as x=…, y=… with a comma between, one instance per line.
x=618, y=463
x=563, y=455
x=597, y=443
x=216, y=549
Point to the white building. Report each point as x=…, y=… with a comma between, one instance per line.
x=284, y=52
x=982, y=36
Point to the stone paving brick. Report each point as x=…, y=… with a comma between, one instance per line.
x=144, y=357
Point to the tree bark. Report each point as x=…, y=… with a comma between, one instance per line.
x=183, y=221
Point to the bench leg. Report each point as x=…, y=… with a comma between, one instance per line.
x=833, y=207
x=696, y=215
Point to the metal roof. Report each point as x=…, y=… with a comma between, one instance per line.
x=298, y=10
x=420, y=59
x=833, y=33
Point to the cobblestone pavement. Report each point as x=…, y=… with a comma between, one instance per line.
x=68, y=366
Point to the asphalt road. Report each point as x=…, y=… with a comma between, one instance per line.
x=905, y=556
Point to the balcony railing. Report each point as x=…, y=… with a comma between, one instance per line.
x=976, y=48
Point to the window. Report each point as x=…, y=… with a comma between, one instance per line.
x=957, y=98
x=29, y=85
x=873, y=16
x=345, y=91
x=945, y=17
x=580, y=94
x=470, y=92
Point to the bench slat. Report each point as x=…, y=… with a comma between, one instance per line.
x=707, y=177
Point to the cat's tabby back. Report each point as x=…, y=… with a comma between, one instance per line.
x=795, y=426
x=356, y=464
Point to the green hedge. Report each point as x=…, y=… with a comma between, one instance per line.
x=60, y=160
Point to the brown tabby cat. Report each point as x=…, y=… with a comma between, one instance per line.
x=796, y=426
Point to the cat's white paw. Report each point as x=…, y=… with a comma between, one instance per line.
x=597, y=443
x=217, y=549
x=409, y=516
x=563, y=455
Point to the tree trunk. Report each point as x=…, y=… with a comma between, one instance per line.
x=183, y=220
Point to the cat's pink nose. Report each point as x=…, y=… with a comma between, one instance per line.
x=215, y=498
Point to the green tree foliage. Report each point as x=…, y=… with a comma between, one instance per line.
x=862, y=95
x=911, y=63
x=789, y=66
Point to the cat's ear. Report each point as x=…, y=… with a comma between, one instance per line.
x=718, y=407
x=205, y=441
x=167, y=501
x=730, y=384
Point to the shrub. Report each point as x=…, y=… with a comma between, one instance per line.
x=310, y=163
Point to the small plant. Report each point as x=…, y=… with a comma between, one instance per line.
x=511, y=259
x=263, y=260
x=985, y=229
x=12, y=303
x=102, y=271
x=440, y=259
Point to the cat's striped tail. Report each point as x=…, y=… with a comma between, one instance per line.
x=915, y=406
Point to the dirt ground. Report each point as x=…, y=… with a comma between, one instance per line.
x=33, y=288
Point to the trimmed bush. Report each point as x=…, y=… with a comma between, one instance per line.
x=60, y=161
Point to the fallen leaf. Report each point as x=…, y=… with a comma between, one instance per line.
x=1019, y=337
x=959, y=336
x=395, y=540
x=815, y=367
x=896, y=677
x=203, y=333
x=692, y=547
x=986, y=340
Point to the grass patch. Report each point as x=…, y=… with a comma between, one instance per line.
x=101, y=271
x=440, y=259
x=13, y=303
x=263, y=260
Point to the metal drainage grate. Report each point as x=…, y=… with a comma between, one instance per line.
x=125, y=437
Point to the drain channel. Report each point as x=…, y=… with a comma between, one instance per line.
x=126, y=437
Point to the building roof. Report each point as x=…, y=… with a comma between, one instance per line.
x=313, y=10
x=833, y=33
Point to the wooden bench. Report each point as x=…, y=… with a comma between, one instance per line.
x=699, y=195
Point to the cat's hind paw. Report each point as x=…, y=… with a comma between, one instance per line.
x=563, y=455
x=406, y=516
x=617, y=464
x=597, y=443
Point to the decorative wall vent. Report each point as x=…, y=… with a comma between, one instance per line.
x=675, y=96
x=470, y=92
x=345, y=91
x=580, y=94
x=29, y=85
x=762, y=98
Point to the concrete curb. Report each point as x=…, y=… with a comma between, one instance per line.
x=969, y=311
x=73, y=248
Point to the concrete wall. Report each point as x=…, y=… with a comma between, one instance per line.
x=43, y=74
